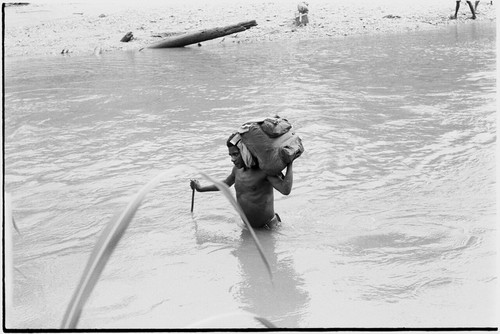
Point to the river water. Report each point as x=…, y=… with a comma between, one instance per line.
x=391, y=221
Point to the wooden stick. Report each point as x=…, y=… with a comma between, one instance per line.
x=192, y=201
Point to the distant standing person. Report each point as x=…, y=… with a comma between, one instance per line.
x=472, y=9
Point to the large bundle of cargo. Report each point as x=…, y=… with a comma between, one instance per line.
x=272, y=143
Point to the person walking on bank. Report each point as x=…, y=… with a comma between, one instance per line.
x=472, y=9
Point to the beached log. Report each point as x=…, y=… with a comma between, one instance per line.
x=203, y=35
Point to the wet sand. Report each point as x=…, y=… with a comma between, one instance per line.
x=90, y=27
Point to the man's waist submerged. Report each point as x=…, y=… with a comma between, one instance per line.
x=270, y=222
x=273, y=222
x=258, y=219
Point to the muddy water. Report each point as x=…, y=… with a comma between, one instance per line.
x=391, y=221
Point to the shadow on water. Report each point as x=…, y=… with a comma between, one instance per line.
x=284, y=300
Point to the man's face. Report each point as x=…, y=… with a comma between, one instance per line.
x=235, y=155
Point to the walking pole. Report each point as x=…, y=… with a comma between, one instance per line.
x=192, y=201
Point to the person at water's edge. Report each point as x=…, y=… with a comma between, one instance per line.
x=473, y=9
x=254, y=189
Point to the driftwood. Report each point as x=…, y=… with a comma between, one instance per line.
x=203, y=35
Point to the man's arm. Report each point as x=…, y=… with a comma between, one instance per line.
x=195, y=184
x=283, y=185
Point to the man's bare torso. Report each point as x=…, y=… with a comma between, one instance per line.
x=255, y=195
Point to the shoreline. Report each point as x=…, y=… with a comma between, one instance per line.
x=42, y=29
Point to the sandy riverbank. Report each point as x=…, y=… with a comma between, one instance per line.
x=88, y=27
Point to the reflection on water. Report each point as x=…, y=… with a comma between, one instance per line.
x=255, y=291
x=282, y=299
x=391, y=221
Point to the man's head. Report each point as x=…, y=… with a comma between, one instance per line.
x=234, y=153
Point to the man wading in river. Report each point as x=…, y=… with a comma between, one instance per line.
x=254, y=188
